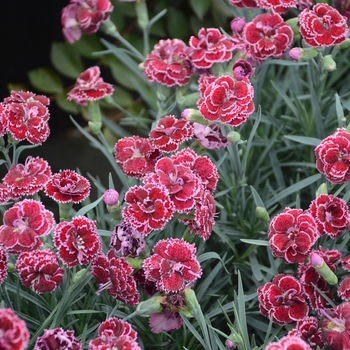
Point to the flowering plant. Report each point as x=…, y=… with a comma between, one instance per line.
x=224, y=223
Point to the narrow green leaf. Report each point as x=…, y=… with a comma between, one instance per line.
x=45, y=80
x=255, y=242
x=310, y=141
x=257, y=200
x=88, y=207
x=200, y=8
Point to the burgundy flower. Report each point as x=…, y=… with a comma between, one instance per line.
x=68, y=186
x=345, y=262
x=23, y=224
x=28, y=178
x=280, y=6
x=211, y=46
x=54, y=339
x=148, y=207
x=169, y=133
x=169, y=63
x=149, y=287
x=322, y=26
x=5, y=194
x=25, y=115
x=344, y=288
x=13, y=330
x=331, y=214
x=210, y=136
x=90, y=87
x=115, y=334
x=2, y=125
x=173, y=265
x=39, y=270
x=289, y=342
x=292, y=235
x=304, y=4
x=227, y=100
x=333, y=156
x=242, y=69
x=343, y=6
x=113, y=274
x=244, y=3
x=267, y=36
x=283, y=300
x=4, y=258
x=77, y=241
x=166, y=321
x=136, y=156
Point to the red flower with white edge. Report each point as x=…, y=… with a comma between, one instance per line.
x=280, y=6
x=292, y=235
x=77, y=241
x=90, y=87
x=2, y=125
x=345, y=263
x=13, y=330
x=210, y=47
x=136, y=156
x=227, y=100
x=23, y=224
x=115, y=334
x=267, y=36
x=344, y=288
x=113, y=274
x=289, y=342
x=173, y=265
x=169, y=133
x=333, y=157
x=148, y=207
x=57, y=338
x=169, y=63
x=25, y=115
x=204, y=81
x=39, y=270
x=4, y=259
x=331, y=214
x=68, y=186
x=283, y=300
x=322, y=26
x=28, y=178
x=5, y=194
x=244, y=3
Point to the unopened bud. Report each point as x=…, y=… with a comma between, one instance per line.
x=233, y=137
x=191, y=301
x=111, y=197
x=150, y=306
x=237, y=25
x=230, y=344
x=329, y=63
x=262, y=214
x=300, y=54
x=322, y=190
x=193, y=115
x=322, y=268
x=78, y=276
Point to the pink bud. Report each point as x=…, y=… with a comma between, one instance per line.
x=237, y=25
x=230, y=344
x=111, y=197
x=295, y=53
x=242, y=69
x=316, y=259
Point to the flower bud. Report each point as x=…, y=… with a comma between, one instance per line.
x=111, y=197
x=230, y=344
x=329, y=64
x=150, y=306
x=237, y=25
x=300, y=54
x=242, y=69
x=262, y=214
x=193, y=115
x=78, y=276
x=322, y=190
x=233, y=137
x=322, y=268
x=191, y=301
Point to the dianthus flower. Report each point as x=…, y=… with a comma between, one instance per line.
x=13, y=330
x=90, y=87
x=244, y=3
x=23, y=224
x=210, y=47
x=25, y=115
x=115, y=334
x=227, y=100
x=344, y=288
x=5, y=194
x=148, y=207
x=68, y=186
x=210, y=136
x=322, y=26
x=54, y=339
x=149, y=287
x=4, y=258
x=173, y=265
x=331, y=214
x=345, y=263
x=333, y=157
x=242, y=69
x=280, y=6
x=267, y=36
x=169, y=63
x=28, y=178
x=169, y=133
x=292, y=235
x=283, y=300
x=289, y=342
x=113, y=274
x=304, y=4
x=39, y=270
x=136, y=156
x=77, y=241
x=343, y=6
x=84, y=16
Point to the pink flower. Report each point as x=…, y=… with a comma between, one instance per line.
x=169, y=133
x=237, y=25
x=173, y=265
x=292, y=235
x=322, y=26
x=113, y=274
x=111, y=197
x=28, y=178
x=25, y=115
x=333, y=157
x=148, y=207
x=280, y=6
x=13, y=330
x=244, y=3
x=331, y=215
x=136, y=156
x=242, y=69
x=289, y=342
x=23, y=224
x=77, y=241
x=169, y=63
x=115, y=334
x=227, y=100
x=267, y=36
x=67, y=186
x=166, y=321
x=4, y=258
x=211, y=46
x=54, y=339
x=90, y=87
x=283, y=300
x=39, y=270
x=210, y=136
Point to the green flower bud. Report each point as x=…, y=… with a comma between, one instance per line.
x=78, y=276
x=151, y=306
x=191, y=301
x=193, y=115
x=323, y=269
x=329, y=64
x=262, y=214
x=322, y=190
x=233, y=137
